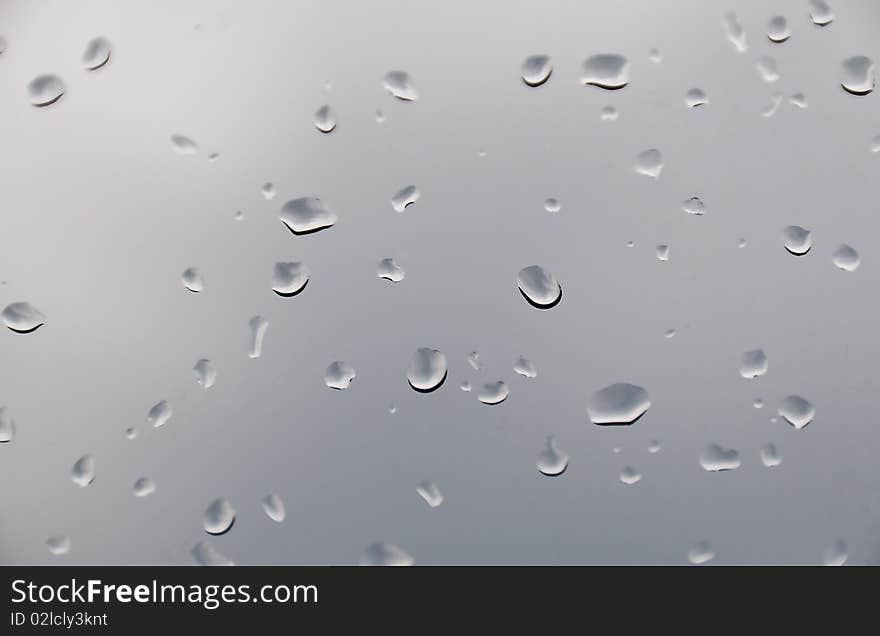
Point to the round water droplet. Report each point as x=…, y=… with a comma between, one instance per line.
x=701, y=552
x=144, y=487
x=258, y=326
x=83, y=471
x=654, y=56
x=339, y=375
x=192, y=279
x=846, y=258
x=7, y=426
x=219, y=516
x=669, y=333
x=715, y=458
x=735, y=33
x=630, y=476
x=618, y=404
x=551, y=460
x=465, y=386
x=758, y=403
x=767, y=68
x=524, y=367
x=268, y=191
x=539, y=287
x=753, y=364
x=289, y=279
x=649, y=163
x=797, y=411
x=306, y=215
x=389, y=270
x=238, y=216
x=695, y=97
x=799, y=100
x=821, y=13
x=183, y=145
x=206, y=373
x=662, y=252
x=430, y=493
x=770, y=456
x=45, y=90
x=23, y=317
x=536, y=70
x=552, y=205
x=385, y=554
x=606, y=70
x=405, y=198
x=608, y=113
x=131, y=432
x=58, y=545
x=654, y=447
x=400, y=85
x=204, y=554
x=493, y=393
x=325, y=119
x=427, y=370
x=159, y=414
x=835, y=554
x=694, y=206
x=777, y=29
x=97, y=54
x=274, y=508
x=797, y=240
x=858, y=75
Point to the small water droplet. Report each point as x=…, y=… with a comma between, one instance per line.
x=204, y=554
x=219, y=516
x=608, y=113
x=159, y=414
x=97, y=54
x=797, y=411
x=473, y=359
x=268, y=191
x=773, y=106
x=797, y=240
x=385, y=554
x=380, y=117
x=552, y=205
x=767, y=68
x=481, y=153
x=654, y=56
x=392, y=408
x=7, y=426
x=289, y=279
x=649, y=163
x=701, y=552
x=22, y=317
x=618, y=404
x=58, y=545
x=536, y=70
x=389, y=270
x=213, y=156
x=307, y=215
x=630, y=243
x=493, y=393
x=606, y=70
x=858, y=75
x=405, y=198
x=45, y=90
x=617, y=450
x=654, y=447
x=662, y=252
x=131, y=432
x=144, y=487
x=183, y=145
x=206, y=373
x=465, y=386
x=83, y=471
x=715, y=458
x=274, y=508
x=777, y=29
x=821, y=13
x=400, y=85
x=835, y=554
x=694, y=206
x=735, y=33
x=695, y=97
x=669, y=333
x=192, y=279
x=427, y=370
x=630, y=476
x=846, y=258
x=325, y=119
x=430, y=493
x=753, y=364
x=339, y=375
x=238, y=216
x=758, y=403
x=258, y=326
x=552, y=461
x=742, y=243
x=524, y=367
x=539, y=287
x=799, y=100
x=3, y=44
x=770, y=456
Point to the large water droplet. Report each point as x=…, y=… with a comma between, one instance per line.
x=767, y=68
x=325, y=119
x=7, y=426
x=835, y=554
x=385, y=554
x=184, y=145
x=618, y=404
x=268, y=191
x=552, y=205
x=662, y=252
x=777, y=29
x=23, y=317
x=427, y=370
x=608, y=113
x=821, y=13
x=83, y=471
x=797, y=240
x=630, y=476
x=715, y=458
x=701, y=552
x=258, y=326
x=430, y=493
x=770, y=456
x=551, y=460
x=97, y=54
x=192, y=279
x=858, y=75
x=339, y=375
x=44, y=90
x=289, y=279
x=753, y=364
x=536, y=70
x=144, y=487
x=846, y=258
x=58, y=545
x=389, y=270
x=524, y=367
x=735, y=33
x=159, y=414
x=206, y=373
x=539, y=287
x=204, y=554
x=606, y=70
x=306, y=215
x=405, y=197
x=695, y=97
x=400, y=85
x=649, y=163
x=797, y=411
x=274, y=508
x=493, y=393
x=219, y=516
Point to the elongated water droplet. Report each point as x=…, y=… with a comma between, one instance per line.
x=183, y=145
x=144, y=487
x=654, y=447
x=767, y=68
x=608, y=113
x=97, y=54
x=219, y=516
x=773, y=106
x=669, y=333
x=858, y=75
x=835, y=554
x=206, y=373
x=427, y=370
x=268, y=191
x=797, y=240
x=606, y=70
x=473, y=359
x=493, y=393
x=551, y=460
x=821, y=13
x=192, y=279
x=715, y=458
x=799, y=100
x=339, y=375
x=22, y=317
x=524, y=367
x=846, y=258
x=735, y=33
x=662, y=252
x=307, y=215
x=649, y=163
x=7, y=426
x=430, y=493
x=214, y=156
x=536, y=70
x=258, y=326
x=539, y=287
x=58, y=545
x=695, y=97
x=400, y=85
x=797, y=411
x=701, y=552
x=159, y=414
x=552, y=205
x=630, y=476
x=618, y=404
x=389, y=270
x=654, y=56
x=45, y=90
x=385, y=554
x=204, y=554
x=405, y=198
x=83, y=471
x=289, y=279
x=274, y=508
x=325, y=119
x=777, y=29
x=753, y=364
x=770, y=456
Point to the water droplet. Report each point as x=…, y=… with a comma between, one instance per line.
x=45, y=90
x=630, y=243
x=465, y=386
x=616, y=450
x=606, y=70
x=618, y=404
x=427, y=370
x=695, y=97
x=58, y=545
x=206, y=373
x=268, y=191
x=669, y=333
x=131, y=432
x=799, y=100
x=649, y=163
x=735, y=33
x=404, y=198
x=339, y=375
x=289, y=279
x=551, y=460
x=654, y=447
x=22, y=317
x=239, y=215
x=325, y=119
x=192, y=279
x=608, y=113
x=219, y=516
x=767, y=68
x=525, y=368
x=144, y=487
x=258, y=326
x=654, y=56
x=770, y=456
x=835, y=554
x=400, y=85
x=758, y=403
x=536, y=70
x=493, y=393
x=773, y=106
x=742, y=243
x=797, y=411
x=204, y=554
x=306, y=215
x=753, y=364
x=389, y=270
x=715, y=458
x=83, y=471
x=183, y=145
x=539, y=287
x=7, y=426
x=846, y=258
x=552, y=205
x=694, y=206
x=430, y=493
x=481, y=153
x=662, y=252
x=821, y=13
x=858, y=75
x=97, y=54
x=392, y=408
x=385, y=554
x=797, y=240
x=159, y=414
x=630, y=476
x=274, y=508
x=3, y=44
x=701, y=552
x=777, y=29
x=380, y=117
x=214, y=156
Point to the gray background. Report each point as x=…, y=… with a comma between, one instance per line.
x=100, y=217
